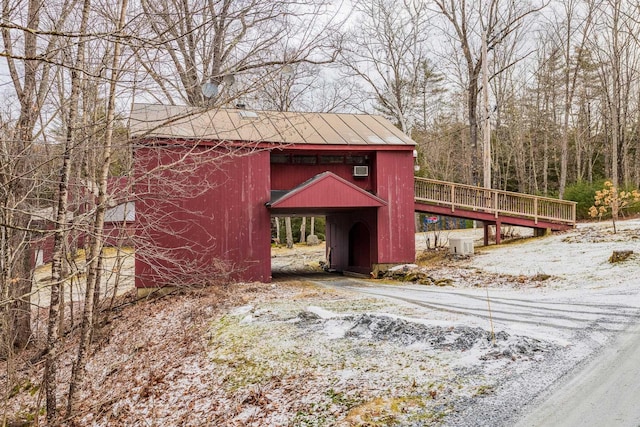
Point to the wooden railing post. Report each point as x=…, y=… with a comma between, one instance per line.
x=453, y=198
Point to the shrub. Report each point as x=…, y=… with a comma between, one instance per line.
x=583, y=193
x=611, y=201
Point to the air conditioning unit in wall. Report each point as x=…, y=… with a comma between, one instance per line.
x=360, y=171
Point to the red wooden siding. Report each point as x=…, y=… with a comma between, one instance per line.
x=328, y=191
x=394, y=182
x=200, y=214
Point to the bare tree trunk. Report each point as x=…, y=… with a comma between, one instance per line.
x=29, y=70
x=545, y=153
x=16, y=253
x=117, y=267
x=95, y=252
x=303, y=230
x=277, y=220
x=520, y=159
x=288, y=231
x=615, y=103
x=533, y=169
x=637, y=152
x=564, y=142
x=486, y=145
x=62, y=229
x=472, y=111
x=97, y=288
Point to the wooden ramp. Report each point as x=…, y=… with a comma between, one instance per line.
x=493, y=207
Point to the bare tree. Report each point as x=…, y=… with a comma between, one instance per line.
x=94, y=254
x=444, y=136
x=386, y=50
x=287, y=88
x=544, y=112
x=62, y=224
x=470, y=21
x=187, y=44
x=509, y=153
x=616, y=49
x=29, y=60
x=570, y=34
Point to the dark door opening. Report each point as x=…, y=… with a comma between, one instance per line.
x=360, y=248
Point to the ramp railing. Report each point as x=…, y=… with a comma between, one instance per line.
x=496, y=202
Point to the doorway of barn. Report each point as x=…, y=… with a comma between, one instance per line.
x=345, y=243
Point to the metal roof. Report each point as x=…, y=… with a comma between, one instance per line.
x=180, y=122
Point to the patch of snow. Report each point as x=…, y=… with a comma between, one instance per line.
x=559, y=255
x=260, y=312
x=403, y=267
x=321, y=312
x=239, y=311
x=335, y=329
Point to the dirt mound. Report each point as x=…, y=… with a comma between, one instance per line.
x=454, y=338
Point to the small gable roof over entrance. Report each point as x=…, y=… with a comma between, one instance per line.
x=327, y=191
x=180, y=122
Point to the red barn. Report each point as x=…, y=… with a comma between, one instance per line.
x=208, y=183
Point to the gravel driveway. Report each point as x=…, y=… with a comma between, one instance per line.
x=580, y=325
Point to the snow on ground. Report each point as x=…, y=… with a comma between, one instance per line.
x=578, y=258
x=561, y=291
x=584, y=302
x=350, y=353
